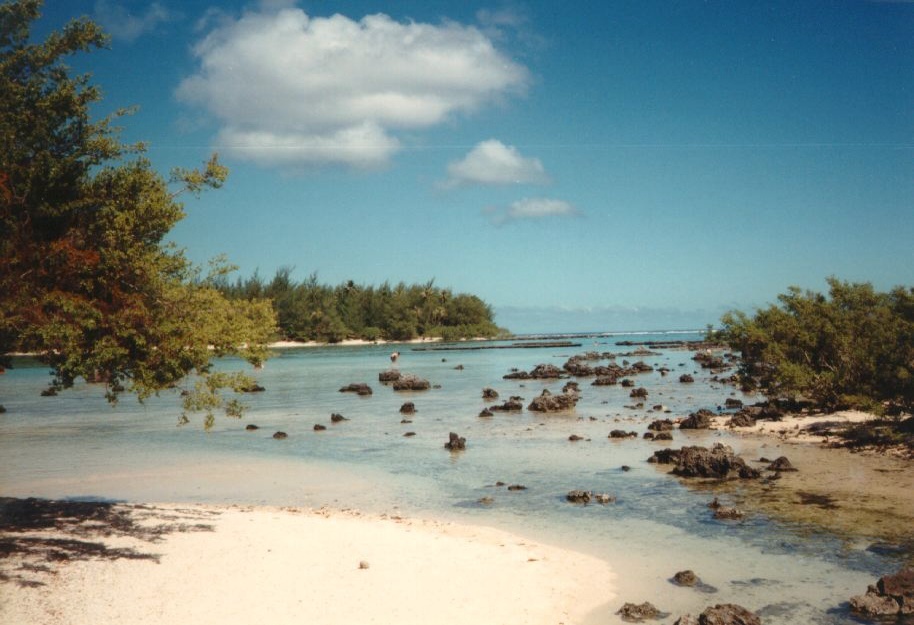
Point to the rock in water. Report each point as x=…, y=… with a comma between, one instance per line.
x=728, y=614
x=455, y=442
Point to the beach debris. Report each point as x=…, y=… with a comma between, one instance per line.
x=364, y=565
x=489, y=393
x=250, y=427
x=700, y=420
x=637, y=612
x=455, y=442
x=319, y=428
x=410, y=382
x=718, y=462
x=685, y=378
x=360, y=388
x=547, y=402
x=781, y=464
x=408, y=408
x=337, y=417
x=391, y=375
x=280, y=436
x=891, y=595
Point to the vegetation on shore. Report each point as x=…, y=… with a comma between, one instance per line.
x=88, y=282
x=850, y=349
x=311, y=311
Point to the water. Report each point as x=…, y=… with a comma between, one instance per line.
x=76, y=445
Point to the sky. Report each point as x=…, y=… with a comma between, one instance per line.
x=589, y=166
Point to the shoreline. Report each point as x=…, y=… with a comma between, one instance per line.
x=233, y=563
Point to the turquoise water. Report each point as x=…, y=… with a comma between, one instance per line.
x=76, y=445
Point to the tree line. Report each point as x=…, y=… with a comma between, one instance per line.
x=851, y=348
x=308, y=310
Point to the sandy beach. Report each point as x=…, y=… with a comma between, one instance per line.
x=214, y=564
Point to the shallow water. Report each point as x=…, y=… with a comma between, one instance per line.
x=75, y=445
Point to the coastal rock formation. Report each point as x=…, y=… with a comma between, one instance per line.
x=685, y=378
x=408, y=408
x=547, y=402
x=578, y=496
x=605, y=380
x=700, y=420
x=660, y=425
x=781, y=464
x=489, y=393
x=511, y=405
x=622, y=434
x=718, y=462
x=250, y=427
x=280, y=436
x=728, y=514
x=742, y=419
x=640, y=392
x=485, y=412
x=409, y=382
x=663, y=436
x=638, y=612
x=540, y=372
x=391, y=375
x=455, y=442
x=359, y=388
x=685, y=578
x=728, y=614
x=337, y=418
x=733, y=403
x=892, y=595
x=319, y=428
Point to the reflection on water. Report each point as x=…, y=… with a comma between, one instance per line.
x=76, y=445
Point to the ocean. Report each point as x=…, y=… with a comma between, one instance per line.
x=76, y=445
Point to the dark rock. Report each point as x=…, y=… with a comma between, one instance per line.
x=485, y=412
x=391, y=375
x=725, y=513
x=664, y=456
x=741, y=420
x=605, y=380
x=642, y=367
x=409, y=434
x=337, y=418
x=539, y=372
x=700, y=420
x=648, y=436
x=728, y=614
x=547, y=402
x=891, y=595
x=250, y=427
x=458, y=368
x=511, y=405
x=663, y=436
x=626, y=468
x=357, y=387
x=638, y=392
x=578, y=496
x=280, y=435
x=319, y=428
x=575, y=437
x=718, y=462
x=685, y=378
x=638, y=612
x=627, y=383
x=604, y=498
x=686, y=619
x=252, y=388
x=489, y=393
x=2, y=409
x=685, y=578
x=405, y=421
x=456, y=442
x=49, y=392
x=517, y=487
x=486, y=501
x=781, y=464
x=409, y=382
x=408, y=408
x=733, y=403
x=622, y=434
x=661, y=425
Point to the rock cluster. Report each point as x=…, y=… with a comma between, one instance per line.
x=409, y=382
x=892, y=595
x=718, y=462
x=540, y=372
x=700, y=420
x=547, y=402
x=721, y=614
x=359, y=388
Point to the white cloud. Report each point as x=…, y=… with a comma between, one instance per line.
x=126, y=25
x=297, y=91
x=533, y=208
x=493, y=163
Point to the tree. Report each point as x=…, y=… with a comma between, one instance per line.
x=86, y=279
x=851, y=348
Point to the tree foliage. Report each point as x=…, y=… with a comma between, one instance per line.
x=851, y=348
x=311, y=311
x=86, y=278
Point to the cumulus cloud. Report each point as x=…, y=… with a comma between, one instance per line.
x=124, y=24
x=532, y=209
x=494, y=163
x=297, y=91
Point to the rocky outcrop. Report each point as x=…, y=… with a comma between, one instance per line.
x=718, y=462
x=781, y=464
x=455, y=442
x=485, y=412
x=721, y=614
x=250, y=427
x=280, y=436
x=586, y=496
x=685, y=378
x=547, y=402
x=319, y=427
x=639, y=392
x=742, y=419
x=337, y=418
x=409, y=382
x=700, y=420
x=391, y=375
x=489, y=394
x=408, y=408
x=512, y=405
x=360, y=388
x=685, y=578
x=540, y=372
x=605, y=380
x=622, y=434
x=660, y=425
x=637, y=612
x=733, y=403
x=892, y=595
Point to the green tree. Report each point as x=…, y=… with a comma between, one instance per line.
x=851, y=348
x=86, y=279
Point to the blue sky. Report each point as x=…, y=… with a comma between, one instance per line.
x=580, y=166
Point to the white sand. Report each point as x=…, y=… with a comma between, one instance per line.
x=795, y=428
x=278, y=566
